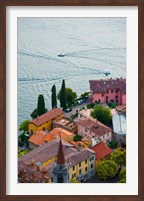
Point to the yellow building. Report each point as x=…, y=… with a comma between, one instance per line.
x=81, y=161
x=44, y=122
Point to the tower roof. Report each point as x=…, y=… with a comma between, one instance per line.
x=60, y=156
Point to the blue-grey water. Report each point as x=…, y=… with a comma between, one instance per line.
x=91, y=45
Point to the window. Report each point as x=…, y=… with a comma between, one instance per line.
x=91, y=166
x=86, y=161
x=85, y=169
x=31, y=131
x=73, y=167
x=79, y=164
x=116, y=101
x=106, y=101
x=80, y=171
x=102, y=94
x=99, y=100
x=106, y=97
x=85, y=129
x=43, y=128
x=111, y=91
x=116, y=97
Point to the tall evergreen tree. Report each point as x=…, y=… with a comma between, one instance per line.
x=41, y=105
x=53, y=97
x=63, y=96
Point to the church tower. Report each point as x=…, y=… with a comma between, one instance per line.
x=60, y=168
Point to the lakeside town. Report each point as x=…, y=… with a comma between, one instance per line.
x=80, y=140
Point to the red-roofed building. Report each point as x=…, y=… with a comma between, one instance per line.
x=94, y=129
x=111, y=90
x=44, y=122
x=102, y=151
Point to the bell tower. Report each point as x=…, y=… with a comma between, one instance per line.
x=60, y=168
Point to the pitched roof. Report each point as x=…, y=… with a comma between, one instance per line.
x=60, y=156
x=94, y=126
x=101, y=150
x=47, y=116
x=101, y=86
x=40, y=137
x=65, y=135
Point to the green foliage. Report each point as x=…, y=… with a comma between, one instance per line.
x=85, y=94
x=70, y=96
x=77, y=138
x=34, y=113
x=91, y=105
x=62, y=96
x=23, y=137
x=112, y=105
x=40, y=105
x=54, y=98
x=24, y=126
x=112, y=144
x=119, y=156
x=74, y=181
x=107, y=169
x=22, y=152
x=122, y=176
x=102, y=114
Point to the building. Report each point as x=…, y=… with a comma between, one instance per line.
x=84, y=114
x=65, y=123
x=43, y=137
x=110, y=90
x=102, y=151
x=39, y=138
x=81, y=160
x=119, y=127
x=94, y=129
x=44, y=122
x=61, y=167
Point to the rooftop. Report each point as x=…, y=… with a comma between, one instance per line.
x=47, y=116
x=94, y=126
x=101, y=86
x=101, y=150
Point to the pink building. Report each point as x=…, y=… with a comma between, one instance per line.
x=94, y=128
x=111, y=90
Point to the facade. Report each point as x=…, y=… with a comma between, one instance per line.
x=111, y=90
x=65, y=123
x=44, y=122
x=94, y=129
x=119, y=127
x=81, y=160
x=102, y=151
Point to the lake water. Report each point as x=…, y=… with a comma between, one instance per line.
x=91, y=45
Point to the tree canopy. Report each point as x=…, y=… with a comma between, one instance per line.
x=70, y=96
x=107, y=169
x=40, y=105
x=62, y=96
x=53, y=97
x=102, y=114
x=77, y=138
x=24, y=125
x=119, y=156
x=122, y=176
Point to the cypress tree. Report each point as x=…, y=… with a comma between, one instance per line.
x=63, y=96
x=53, y=97
x=41, y=105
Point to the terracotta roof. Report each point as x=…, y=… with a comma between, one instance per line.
x=101, y=86
x=94, y=126
x=40, y=137
x=47, y=116
x=65, y=135
x=72, y=154
x=101, y=150
x=60, y=156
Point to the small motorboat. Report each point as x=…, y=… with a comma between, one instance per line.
x=61, y=54
x=106, y=72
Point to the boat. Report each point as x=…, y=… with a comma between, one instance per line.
x=61, y=54
x=106, y=72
